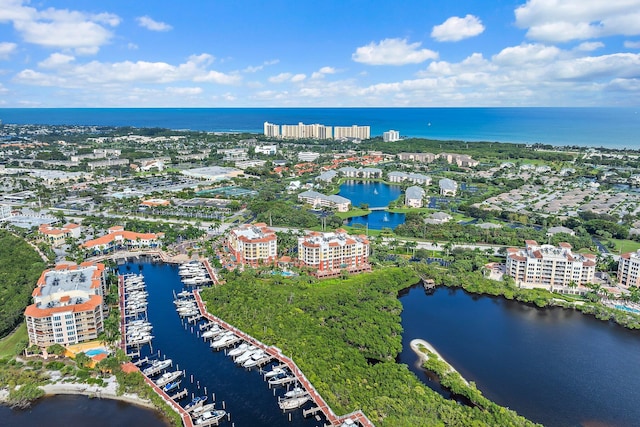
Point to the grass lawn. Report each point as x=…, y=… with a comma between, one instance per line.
x=623, y=246
x=352, y=213
x=8, y=343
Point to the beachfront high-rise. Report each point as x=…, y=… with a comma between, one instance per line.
x=352, y=132
x=67, y=305
x=316, y=131
x=301, y=131
x=391, y=136
x=271, y=130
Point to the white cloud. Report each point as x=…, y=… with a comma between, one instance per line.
x=455, y=29
x=256, y=68
x=152, y=25
x=132, y=46
x=566, y=20
x=632, y=44
x=59, y=28
x=56, y=60
x=392, y=52
x=6, y=49
x=323, y=72
x=280, y=78
x=77, y=75
x=185, y=91
x=589, y=46
x=526, y=53
x=298, y=78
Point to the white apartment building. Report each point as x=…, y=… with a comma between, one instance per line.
x=330, y=253
x=308, y=156
x=67, y=305
x=549, y=265
x=315, y=131
x=448, y=187
x=318, y=200
x=628, y=267
x=391, y=136
x=269, y=150
x=271, y=130
x=353, y=132
x=414, y=197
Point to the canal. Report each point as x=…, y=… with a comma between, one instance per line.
x=554, y=366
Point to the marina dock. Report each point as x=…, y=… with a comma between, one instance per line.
x=275, y=353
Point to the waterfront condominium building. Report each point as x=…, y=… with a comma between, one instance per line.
x=330, y=253
x=271, y=130
x=253, y=244
x=315, y=131
x=353, y=132
x=391, y=136
x=67, y=305
x=628, y=266
x=550, y=265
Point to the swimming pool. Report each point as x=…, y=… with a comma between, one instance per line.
x=96, y=351
x=625, y=308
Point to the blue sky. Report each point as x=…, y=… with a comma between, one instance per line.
x=298, y=53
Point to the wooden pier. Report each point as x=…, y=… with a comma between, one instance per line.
x=179, y=395
x=139, y=362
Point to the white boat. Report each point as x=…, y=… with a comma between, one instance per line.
x=238, y=350
x=275, y=371
x=167, y=377
x=254, y=359
x=293, y=403
x=157, y=365
x=245, y=356
x=188, y=313
x=171, y=386
x=211, y=333
x=184, y=294
x=198, y=280
x=196, y=402
x=210, y=416
x=223, y=341
x=295, y=392
x=195, y=412
x=281, y=379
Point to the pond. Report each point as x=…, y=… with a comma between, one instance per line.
x=376, y=195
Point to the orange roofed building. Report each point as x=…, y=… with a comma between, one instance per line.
x=57, y=236
x=253, y=244
x=331, y=253
x=550, y=265
x=117, y=238
x=67, y=305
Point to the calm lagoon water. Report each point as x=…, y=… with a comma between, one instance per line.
x=554, y=366
x=375, y=194
x=66, y=411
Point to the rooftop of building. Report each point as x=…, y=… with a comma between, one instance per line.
x=67, y=278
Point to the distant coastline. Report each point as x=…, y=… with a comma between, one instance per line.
x=611, y=127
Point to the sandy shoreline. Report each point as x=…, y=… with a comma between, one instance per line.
x=415, y=346
x=108, y=392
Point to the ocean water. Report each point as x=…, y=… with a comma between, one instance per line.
x=592, y=127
